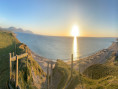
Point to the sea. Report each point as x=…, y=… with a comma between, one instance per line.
x=58, y=47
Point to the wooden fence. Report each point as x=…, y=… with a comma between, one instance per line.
x=49, y=80
x=15, y=58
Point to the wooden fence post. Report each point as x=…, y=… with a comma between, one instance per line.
x=10, y=66
x=16, y=84
x=27, y=64
x=13, y=54
x=51, y=75
x=71, y=65
x=27, y=57
x=15, y=48
x=48, y=75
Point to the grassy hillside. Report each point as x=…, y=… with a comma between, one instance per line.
x=98, y=76
x=7, y=45
x=106, y=74
x=62, y=76
x=98, y=71
x=95, y=77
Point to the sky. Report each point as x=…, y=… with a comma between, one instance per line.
x=94, y=18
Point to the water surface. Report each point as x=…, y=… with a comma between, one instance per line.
x=53, y=47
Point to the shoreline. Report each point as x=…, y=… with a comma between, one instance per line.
x=99, y=57
x=42, y=61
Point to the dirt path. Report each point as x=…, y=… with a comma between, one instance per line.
x=43, y=62
x=37, y=80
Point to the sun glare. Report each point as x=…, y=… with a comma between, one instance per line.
x=75, y=31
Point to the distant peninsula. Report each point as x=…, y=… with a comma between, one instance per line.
x=14, y=29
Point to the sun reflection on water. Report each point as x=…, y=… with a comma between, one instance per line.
x=75, y=48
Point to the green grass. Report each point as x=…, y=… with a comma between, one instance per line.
x=64, y=74
x=7, y=45
x=98, y=71
x=63, y=69
x=105, y=75
x=98, y=76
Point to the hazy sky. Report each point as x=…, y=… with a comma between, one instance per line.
x=56, y=17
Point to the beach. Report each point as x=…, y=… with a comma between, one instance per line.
x=42, y=61
x=81, y=64
x=98, y=58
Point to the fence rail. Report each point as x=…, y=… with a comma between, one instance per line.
x=15, y=58
x=19, y=56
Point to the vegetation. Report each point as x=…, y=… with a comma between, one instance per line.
x=98, y=76
x=62, y=71
x=105, y=75
x=7, y=45
x=98, y=71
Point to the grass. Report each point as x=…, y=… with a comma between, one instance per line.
x=63, y=69
x=98, y=71
x=7, y=45
x=65, y=81
x=98, y=76
x=105, y=75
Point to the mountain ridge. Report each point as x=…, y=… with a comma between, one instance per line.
x=14, y=29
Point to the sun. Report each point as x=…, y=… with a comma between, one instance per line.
x=75, y=31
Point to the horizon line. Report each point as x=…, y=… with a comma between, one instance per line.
x=77, y=36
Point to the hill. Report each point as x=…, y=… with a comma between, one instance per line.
x=62, y=76
x=14, y=29
x=107, y=73
x=97, y=76
x=28, y=78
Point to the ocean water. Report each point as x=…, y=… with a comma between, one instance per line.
x=54, y=47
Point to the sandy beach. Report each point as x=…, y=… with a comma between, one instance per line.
x=43, y=62
x=97, y=58
x=83, y=63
